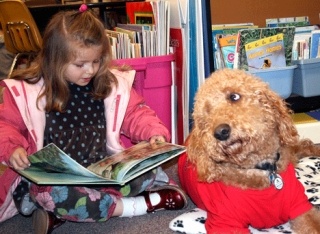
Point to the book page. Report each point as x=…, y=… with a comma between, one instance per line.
x=116, y=166
x=52, y=159
x=141, y=166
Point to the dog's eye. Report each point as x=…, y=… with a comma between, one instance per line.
x=234, y=97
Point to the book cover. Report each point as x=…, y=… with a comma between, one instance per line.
x=51, y=165
x=227, y=48
x=266, y=53
x=139, y=13
x=315, y=44
x=177, y=43
x=246, y=36
x=220, y=31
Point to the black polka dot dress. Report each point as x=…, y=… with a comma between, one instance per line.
x=80, y=131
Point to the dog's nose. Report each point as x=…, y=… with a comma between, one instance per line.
x=222, y=132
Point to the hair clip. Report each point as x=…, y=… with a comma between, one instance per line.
x=83, y=8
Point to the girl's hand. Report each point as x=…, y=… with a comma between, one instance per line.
x=19, y=159
x=157, y=139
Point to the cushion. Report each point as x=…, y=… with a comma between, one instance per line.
x=307, y=171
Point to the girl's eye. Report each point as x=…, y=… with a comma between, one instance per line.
x=79, y=65
x=234, y=97
x=97, y=61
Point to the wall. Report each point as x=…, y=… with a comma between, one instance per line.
x=257, y=11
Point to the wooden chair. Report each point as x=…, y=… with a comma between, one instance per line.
x=21, y=34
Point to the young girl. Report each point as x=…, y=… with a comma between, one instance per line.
x=70, y=96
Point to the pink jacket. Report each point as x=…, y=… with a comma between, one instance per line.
x=22, y=123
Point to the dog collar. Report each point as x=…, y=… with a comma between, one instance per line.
x=274, y=177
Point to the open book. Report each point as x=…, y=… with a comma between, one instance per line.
x=51, y=165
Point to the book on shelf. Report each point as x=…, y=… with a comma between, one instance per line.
x=51, y=165
x=266, y=53
x=139, y=13
x=145, y=37
x=157, y=15
x=288, y=21
x=235, y=25
x=178, y=46
x=246, y=36
x=301, y=43
x=224, y=30
x=177, y=43
x=120, y=44
x=227, y=47
x=161, y=14
x=315, y=44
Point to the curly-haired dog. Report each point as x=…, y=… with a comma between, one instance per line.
x=240, y=158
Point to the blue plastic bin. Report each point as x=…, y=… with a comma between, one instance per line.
x=279, y=79
x=306, y=78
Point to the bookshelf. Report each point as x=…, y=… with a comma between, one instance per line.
x=42, y=10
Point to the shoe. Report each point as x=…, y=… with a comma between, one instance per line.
x=172, y=198
x=44, y=222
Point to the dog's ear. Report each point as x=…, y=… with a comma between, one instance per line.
x=282, y=114
x=198, y=156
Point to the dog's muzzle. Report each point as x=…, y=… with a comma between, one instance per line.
x=222, y=132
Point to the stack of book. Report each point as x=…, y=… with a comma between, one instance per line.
x=224, y=41
x=147, y=31
x=306, y=41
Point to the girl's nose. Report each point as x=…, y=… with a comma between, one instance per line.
x=89, y=69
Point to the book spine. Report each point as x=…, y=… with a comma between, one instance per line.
x=315, y=44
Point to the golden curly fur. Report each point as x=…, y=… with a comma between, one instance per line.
x=239, y=125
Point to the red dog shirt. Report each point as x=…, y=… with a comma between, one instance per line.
x=234, y=209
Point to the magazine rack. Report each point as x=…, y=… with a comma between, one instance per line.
x=153, y=81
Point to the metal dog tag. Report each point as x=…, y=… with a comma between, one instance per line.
x=277, y=181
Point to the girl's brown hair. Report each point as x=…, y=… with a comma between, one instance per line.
x=66, y=32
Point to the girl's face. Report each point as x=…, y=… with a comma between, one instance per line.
x=84, y=66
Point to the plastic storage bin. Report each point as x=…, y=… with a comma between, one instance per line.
x=306, y=79
x=153, y=81
x=279, y=79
